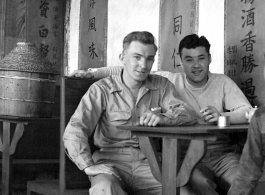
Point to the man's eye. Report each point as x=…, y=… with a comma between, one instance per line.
x=151, y=59
x=137, y=57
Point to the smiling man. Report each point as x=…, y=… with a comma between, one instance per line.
x=196, y=65
x=120, y=167
x=210, y=95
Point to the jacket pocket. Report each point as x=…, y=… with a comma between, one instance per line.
x=119, y=117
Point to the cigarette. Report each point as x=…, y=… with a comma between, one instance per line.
x=156, y=109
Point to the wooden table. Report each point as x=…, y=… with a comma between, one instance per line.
x=170, y=172
x=8, y=144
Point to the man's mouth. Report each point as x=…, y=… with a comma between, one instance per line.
x=140, y=71
x=196, y=72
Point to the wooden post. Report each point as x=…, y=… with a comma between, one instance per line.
x=6, y=158
x=62, y=181
x=168, y=168
x=2, y=27
x=62, y=127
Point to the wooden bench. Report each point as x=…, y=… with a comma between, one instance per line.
x=52, y=187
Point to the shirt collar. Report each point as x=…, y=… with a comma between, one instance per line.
x=119, y=86
x=201, y=87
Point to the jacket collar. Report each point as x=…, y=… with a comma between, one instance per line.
x=119, y=85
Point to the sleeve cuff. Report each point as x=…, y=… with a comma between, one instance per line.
x=93, y=71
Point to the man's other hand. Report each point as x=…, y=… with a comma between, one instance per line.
x=83, y=74
x=102, y=168
x=150, y=118
x=210, y=114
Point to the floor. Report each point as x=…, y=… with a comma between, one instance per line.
x=19, y=183
x=24, y=191
x=21, y=175
x=17, y=192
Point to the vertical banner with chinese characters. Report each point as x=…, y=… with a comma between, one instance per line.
x=178, y=18
x=44, y=27
x=93, y=34
x=244, y=47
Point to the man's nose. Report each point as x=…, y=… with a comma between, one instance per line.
x=196, y=64
x=143, y=63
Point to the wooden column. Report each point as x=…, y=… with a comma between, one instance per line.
x=2, y=27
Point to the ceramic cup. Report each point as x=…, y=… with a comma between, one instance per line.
x=223, y=121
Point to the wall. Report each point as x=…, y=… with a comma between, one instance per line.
x=177, y=19
x=211, y=25
x=24, y=21
x=74, y=36
x=244, y=51
x=128, y=15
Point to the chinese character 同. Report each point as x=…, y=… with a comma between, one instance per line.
x=177, y=25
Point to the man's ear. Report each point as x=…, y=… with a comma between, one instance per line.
x=210, y=58
x=121, y=57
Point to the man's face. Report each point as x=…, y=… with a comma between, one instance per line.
x=138, y=60
x=196, y=65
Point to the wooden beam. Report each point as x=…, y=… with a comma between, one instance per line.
x=2, y=27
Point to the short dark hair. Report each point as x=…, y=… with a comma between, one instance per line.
x=141, y=36
x=192, y=41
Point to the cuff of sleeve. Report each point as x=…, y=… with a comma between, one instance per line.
x=93, y=71
x=81, y=164
x=81, y=161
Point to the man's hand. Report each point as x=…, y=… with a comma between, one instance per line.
x=83, y=74
x=150, y=118
x=250, y=113
x=210, y=114
x=102, y=168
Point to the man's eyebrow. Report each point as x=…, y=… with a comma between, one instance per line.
x=201, y=55
x=137, y=54
x=152, y=56
x=187, y=57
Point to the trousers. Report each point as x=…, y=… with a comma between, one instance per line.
x=133, y=168
x=137, y=178
x=224, y=166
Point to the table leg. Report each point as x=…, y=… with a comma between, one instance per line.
x=194, y=154
x=7, y=150
x=6, y=159
x=149, y=149
x=170, y=166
